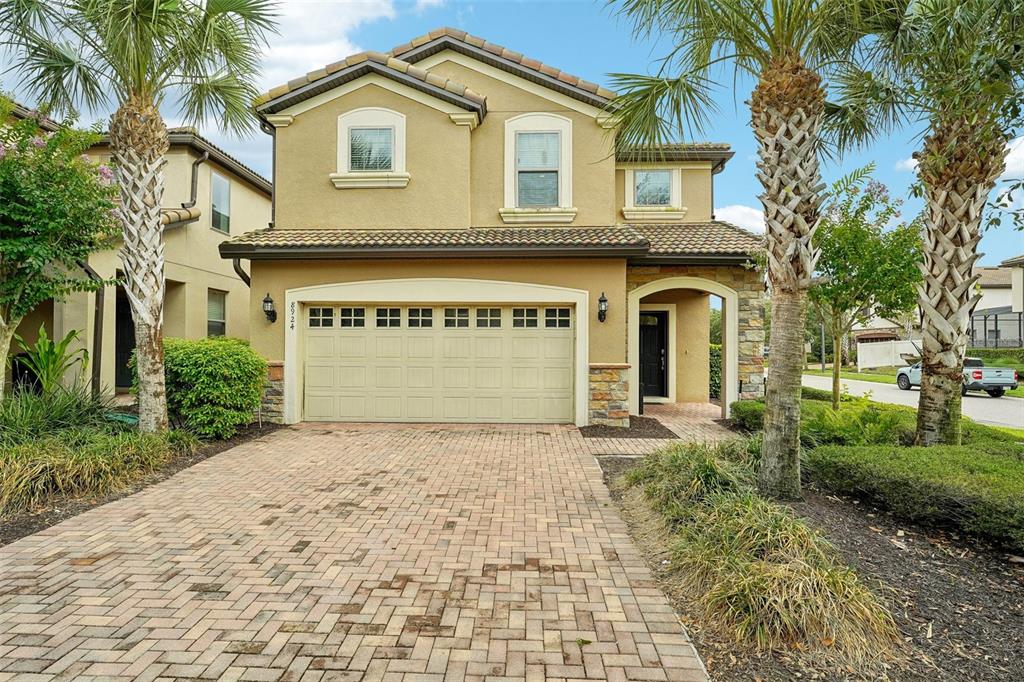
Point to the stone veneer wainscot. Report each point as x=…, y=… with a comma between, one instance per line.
x=609, y=394
x=272, y=405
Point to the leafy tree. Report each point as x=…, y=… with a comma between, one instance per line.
x=865, y=268
x=955, y=67
x=137, y=54
x=715, y=326
x=783, y=45
x=56, y=208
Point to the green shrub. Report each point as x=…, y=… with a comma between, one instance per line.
x=214, y=385
x=715, y=373
x=677, y=476
x=1013, y=356
x=26, y=416
x=776, y=582
x=77, y=462
x=748, y=414
x=972, y=489
x=857, y=423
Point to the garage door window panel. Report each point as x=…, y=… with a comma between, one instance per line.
x=352, y=317
x=421, y=318
x=488, y=318
x=557, y=318
x=524, y=318
x=389, y=317
x=321, y=317
x=456, y=318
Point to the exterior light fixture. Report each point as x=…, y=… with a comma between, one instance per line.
x=602, y=308
x=268, y=308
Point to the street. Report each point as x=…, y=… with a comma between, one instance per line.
x=980, y=407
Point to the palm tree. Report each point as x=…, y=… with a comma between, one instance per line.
x=956, y=66
x=136, y=54
x=783, y=45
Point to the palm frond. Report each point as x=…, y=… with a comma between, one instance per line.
x=866, y=105
x=651, y=110
x=60, y=75
x=221, y=97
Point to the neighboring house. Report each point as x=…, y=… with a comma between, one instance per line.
x=1016, y=266
x=456, y=238
x=209, y=196
x=994, y=323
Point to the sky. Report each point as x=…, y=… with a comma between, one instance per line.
x=582, y=37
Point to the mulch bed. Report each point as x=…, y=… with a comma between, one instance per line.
x=639, y=427
x=15, y=527
x=958, y=603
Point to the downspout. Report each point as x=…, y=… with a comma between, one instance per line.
x=195, y=180
x=272, y=131
x=97, y=329
x=236, y=263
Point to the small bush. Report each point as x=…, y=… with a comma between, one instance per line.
x=1013, y=355
x=748, y=414
x=776, y=582
x=26, y=416
x=858, y=423
x=961, y=487
x=676, y=477
x=214, y=385
x=78, y=462
x=715, y=373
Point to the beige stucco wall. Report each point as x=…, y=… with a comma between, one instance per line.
x=693, y=356
x=437, y=159
x=607, y=340
x=192, y=266
x=696, y=186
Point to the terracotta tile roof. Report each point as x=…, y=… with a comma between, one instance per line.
x=365, y=59
x=677, y=151
x=1015, y=262
x=177, y=216
x=994, y=278
x=505, y=54
x=698, y=239
x=711, y=238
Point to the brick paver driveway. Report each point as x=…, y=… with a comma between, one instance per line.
x=349, y=552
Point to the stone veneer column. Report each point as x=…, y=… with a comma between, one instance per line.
x=272, y=406
x=609, y=394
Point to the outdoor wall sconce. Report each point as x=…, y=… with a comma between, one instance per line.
x=602, y=308
x=268, y=308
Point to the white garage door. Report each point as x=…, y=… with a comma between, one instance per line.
x=441, y=363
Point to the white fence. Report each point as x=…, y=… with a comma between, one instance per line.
x=883, y=353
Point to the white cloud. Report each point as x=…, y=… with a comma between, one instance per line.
x=1015, y=159
x=906, y=164
x=422, y=5
x=744, y=216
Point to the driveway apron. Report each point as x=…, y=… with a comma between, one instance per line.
x=349, y=552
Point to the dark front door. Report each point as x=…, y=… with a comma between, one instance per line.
x=653, y=353
x=124, y=341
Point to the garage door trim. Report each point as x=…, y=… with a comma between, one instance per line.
x=432, y=290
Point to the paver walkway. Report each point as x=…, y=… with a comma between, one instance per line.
x=349, y=552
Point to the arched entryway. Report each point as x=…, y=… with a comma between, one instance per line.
x=675, y=347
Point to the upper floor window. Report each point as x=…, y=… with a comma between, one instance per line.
x=652, y=188
x=653, y=194
x=220, y=202
x=371, y=149
x=538, y=169
x=537, y=159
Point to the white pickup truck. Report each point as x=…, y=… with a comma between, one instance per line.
x=995, y=381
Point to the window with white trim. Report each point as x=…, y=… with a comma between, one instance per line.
x=389, y=317
x=421, y=318
x=371, y=149
x=538, y=169
x=456, y=317
x=321, y=317
x=524, y=318
x=653, y=194
x=352, y=317
x=557, y=318
x=488, y=318
x=216, y=312
x=652, y=188
x=220, y=203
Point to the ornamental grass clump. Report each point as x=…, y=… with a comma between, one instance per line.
x=26, y=416
x=755, y=568
x=81, y=462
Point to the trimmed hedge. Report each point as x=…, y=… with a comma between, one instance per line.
x=214, y=385
x=715, y=373
x=964, y=488
x=1014, y=354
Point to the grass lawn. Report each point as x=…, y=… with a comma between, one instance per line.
x=887, y=375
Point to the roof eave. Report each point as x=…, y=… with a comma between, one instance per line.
x=693, y=259
x=254, y=252
x=717, y=158
x=358, y=71
x=442, y=43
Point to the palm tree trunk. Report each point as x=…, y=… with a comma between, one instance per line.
x=837, y=364
x=786, y=112
x=7, y=330
x=959, y=165
x=138, y=139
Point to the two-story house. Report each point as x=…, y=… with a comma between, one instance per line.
x=457, y=238
x=209, y=196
